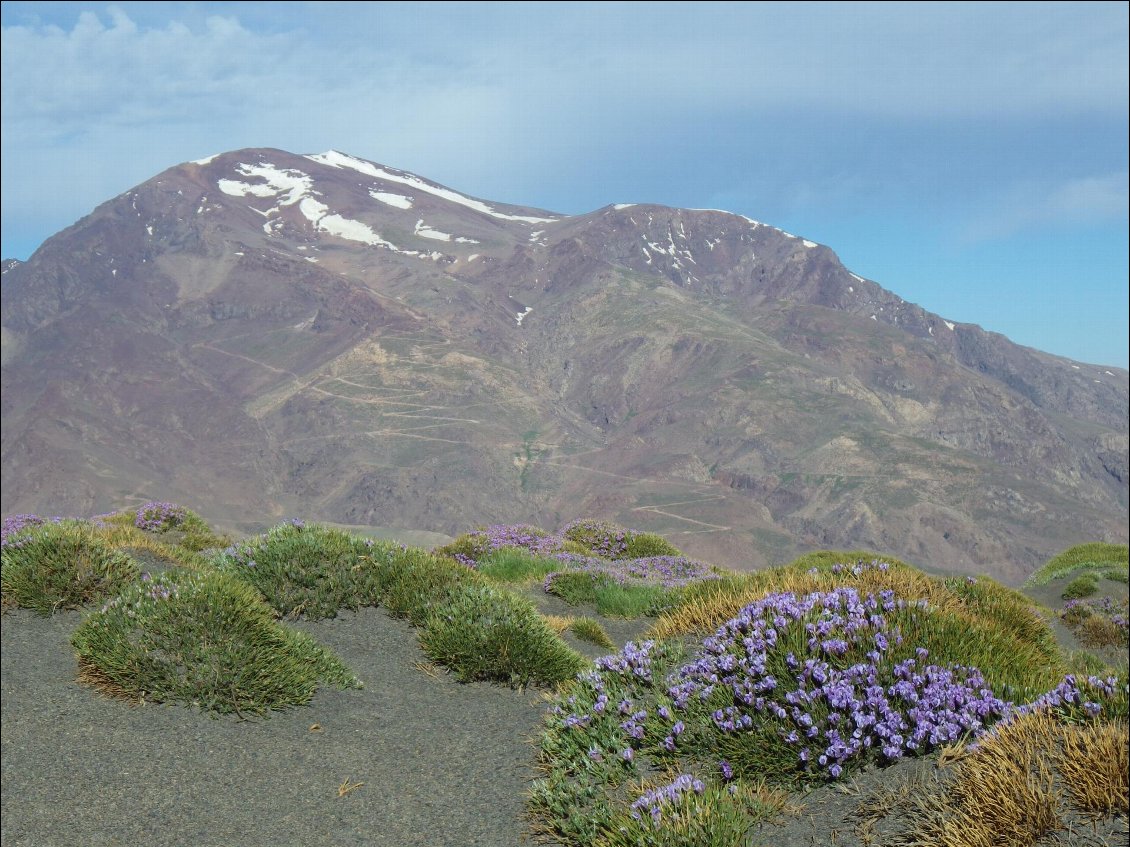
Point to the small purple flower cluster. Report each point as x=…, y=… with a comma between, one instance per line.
x=654, y=801
x=1069, y=693
x=831, y=708
x=240, y=554
x=497, y=536
x=15, y=524
x=632, y=664
x=157, y=517
x=1074, y=609
x=154, y=591
x=666, y=571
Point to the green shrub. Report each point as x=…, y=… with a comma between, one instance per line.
x=485, y=633
x=202, y=638
x=612, y=541
x=1117, y=576
x=307, y=570
x=62, y=565
x=1081, y=586
x=413, y=582
x=577, y=587
x=611, y=598
x=633, y=601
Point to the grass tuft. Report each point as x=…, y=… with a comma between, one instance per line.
x=591, y=631
x=65, y=565
x=203, y=638
x=484, y=633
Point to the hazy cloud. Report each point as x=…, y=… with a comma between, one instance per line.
x=1069, y=203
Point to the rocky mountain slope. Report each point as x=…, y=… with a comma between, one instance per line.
x=262, y=334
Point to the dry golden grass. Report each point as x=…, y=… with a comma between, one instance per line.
x=1015, y=786
x=1100, y=631
x=709, y=604
x=126, y=537
x=1094, y=763
x=1002, y=795
x=559, y=623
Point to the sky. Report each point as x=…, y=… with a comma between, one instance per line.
x=970, y=157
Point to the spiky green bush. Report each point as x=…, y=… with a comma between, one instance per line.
x=412, y=582
x=1084, y=585
x=306, y=569
x=63, y=565
x=205, y=638
x=644, y=544
x=485, y=633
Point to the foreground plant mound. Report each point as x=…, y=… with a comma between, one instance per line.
x=306, y=570
x=488, y=634
x=795, y=689
x=202, y=638
x=51, y=565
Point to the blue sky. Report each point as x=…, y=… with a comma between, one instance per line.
x=972, y=158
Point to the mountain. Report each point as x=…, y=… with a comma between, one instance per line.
x=261, y=334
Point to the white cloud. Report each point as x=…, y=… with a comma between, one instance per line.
x=1067, y=203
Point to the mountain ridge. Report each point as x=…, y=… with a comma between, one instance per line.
x=389, y=351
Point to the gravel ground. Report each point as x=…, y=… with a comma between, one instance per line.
x=442, y=763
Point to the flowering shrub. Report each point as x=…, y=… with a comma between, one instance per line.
x=14, y=526
x=159, y=517
x=665, y=571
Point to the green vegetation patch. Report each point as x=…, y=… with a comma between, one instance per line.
x=856, y=663
x=1084, y=585
x=612, y=541
x=590, y=630
x=61, y=565
x=307, y=570
x=483, y=633
x=1096, y=555
x=202, y=638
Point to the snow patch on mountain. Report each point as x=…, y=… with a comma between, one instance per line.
x=397, y=200
x=425, y=231
x=276, y=181
x=334, y=159
x=207, y=160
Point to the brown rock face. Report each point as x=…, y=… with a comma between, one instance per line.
x=264, y=335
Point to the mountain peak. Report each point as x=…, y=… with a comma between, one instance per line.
x=275, y=333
